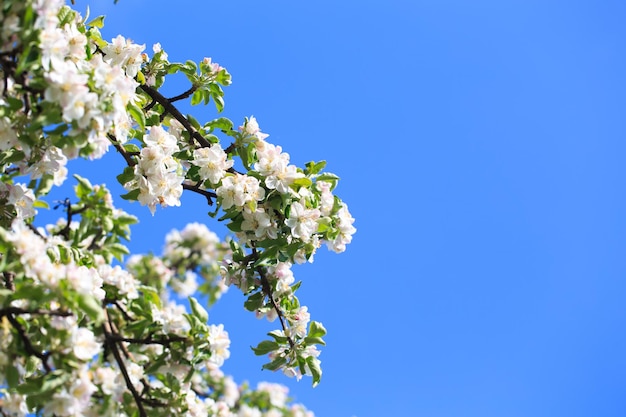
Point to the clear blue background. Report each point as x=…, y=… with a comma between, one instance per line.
x=481, y=146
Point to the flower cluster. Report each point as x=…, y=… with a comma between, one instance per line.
x=81, y=332
x=158, y=174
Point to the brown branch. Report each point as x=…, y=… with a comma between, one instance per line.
x=196, y=189
x=164, y=341
x=267, y=289
x=122, y=310
x=127, y=155
x=184, y=95
x=34, y=230
x=28, y=346
x=16, y=311
x=9, y=278
x=112, y=344
x=171, y=109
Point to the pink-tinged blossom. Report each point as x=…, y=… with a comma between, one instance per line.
x=344, y=226
x=125, y=53
x=53, y=162
x=274, y=165
x=298, y=410
x=299, y=322
x=327, y=200
x=283, y=275
x=213, y=163
x=277, y=393
x=158, y=137
x=238, y=190
x=251, y=127
x=260, y=223
x=282, y=181
x=302, y=221
x=271, y=159
x=158, y=176
x=76, y=41
x=47, y=13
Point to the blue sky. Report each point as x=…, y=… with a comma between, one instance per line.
x=481, y=146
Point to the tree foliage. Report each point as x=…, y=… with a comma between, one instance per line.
x=86, y=329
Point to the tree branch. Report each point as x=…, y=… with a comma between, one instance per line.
x=210, y=195
x=267, y=289
x=8, y=280
x=112, y=344
x=28, y=346
x=16, y=311
x=171, y=109
x=184, y=95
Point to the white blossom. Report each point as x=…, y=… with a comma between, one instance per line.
x=84, y=344
x=213, y=163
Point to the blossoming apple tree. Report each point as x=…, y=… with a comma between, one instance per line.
x=86, y=329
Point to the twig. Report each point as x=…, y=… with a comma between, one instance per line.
x=171, y=109
x=9, y=278
x=164, y=341
x=112, y=344
x=16, y=311
x=210, y=195
x=28, y=346
x=127, y=155
x=267, y=289
x=184, y=95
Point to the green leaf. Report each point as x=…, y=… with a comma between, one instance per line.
x=314, y=341
x=118, y=250
x=44, y=383
x=254, y=301
x=219, y=103
x=131, y=148
x=131, y=195
x=138, y=115
x=84, y=187
x=222, y=123
x=13, y=155
x=126, y=176
x=92, y=307
x=265, y=347
x=40, y=204
x=303, y=182
x=314, y=167
x=45, y=185
x=97, y=22
x=275, y=364
x=316, y=371
x=278, y=336
x=198, y=310
x=327, y=176
x=197, y=97
x=223, y=77
x=235, y=224
x=12, y=376
x=316, y=329
x=189, y=68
